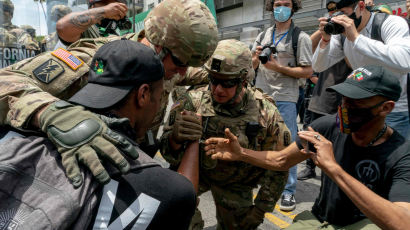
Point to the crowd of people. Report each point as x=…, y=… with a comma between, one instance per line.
x=80, y=121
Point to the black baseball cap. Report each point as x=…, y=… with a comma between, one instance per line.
x=345, y=3
x=331, y=6
x=369, y=81
x=116, y=68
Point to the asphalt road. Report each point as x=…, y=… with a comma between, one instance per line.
x=306, y=192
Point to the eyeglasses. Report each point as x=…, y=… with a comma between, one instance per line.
x=224, y=83
x=175, y=60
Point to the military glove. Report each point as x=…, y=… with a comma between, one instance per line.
x=253, y=218
x=81, y=136
x=187, y=127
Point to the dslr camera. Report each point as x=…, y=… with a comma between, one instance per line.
x=332, y=27
x=110, y=26
x=267, y=51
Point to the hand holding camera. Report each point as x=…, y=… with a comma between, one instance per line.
x=338, y=23
x=266, y=53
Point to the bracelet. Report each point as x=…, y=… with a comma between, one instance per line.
x=325, y=40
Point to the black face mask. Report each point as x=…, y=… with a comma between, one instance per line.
x=351, y=120
x=357, y=21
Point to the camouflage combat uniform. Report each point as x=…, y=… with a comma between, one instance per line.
x=61, y=80
x=258, y=125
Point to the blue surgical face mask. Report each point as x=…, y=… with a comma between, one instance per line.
x=282, y=13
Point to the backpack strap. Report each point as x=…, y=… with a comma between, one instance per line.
x=293, y=34
x=295, y=39
x=378, y=20
x=342, y=40
x=408, y=92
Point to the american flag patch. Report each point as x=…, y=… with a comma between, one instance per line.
x=72, y=61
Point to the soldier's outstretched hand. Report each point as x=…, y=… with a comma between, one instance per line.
x=227, y=148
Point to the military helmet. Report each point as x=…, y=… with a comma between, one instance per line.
x=59, y=11
x=7, y=6
x=185, y=27
x=382, y=9
x=231, y=59
x=29, y=29
x=296, y=5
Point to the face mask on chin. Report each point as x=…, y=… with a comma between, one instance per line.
x=282, y=13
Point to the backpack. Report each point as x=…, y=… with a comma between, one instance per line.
x=376, y=34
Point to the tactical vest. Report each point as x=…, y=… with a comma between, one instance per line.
x=250, y=129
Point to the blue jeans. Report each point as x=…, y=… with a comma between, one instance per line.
x=288, y=112
x=400, y=122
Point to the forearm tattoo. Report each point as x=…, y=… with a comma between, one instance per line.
x=87, y=18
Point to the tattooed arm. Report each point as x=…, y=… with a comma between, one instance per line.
x=70, y=27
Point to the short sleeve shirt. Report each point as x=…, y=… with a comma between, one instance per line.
x=384, y=168
x=277, y=85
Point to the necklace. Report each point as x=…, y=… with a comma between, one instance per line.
x=379, y=135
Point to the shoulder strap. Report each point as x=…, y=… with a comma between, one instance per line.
x=295, y=39
x=262, y=36
x=378, y=20
x=408, y=92
x=293, y=34
x=342, y=40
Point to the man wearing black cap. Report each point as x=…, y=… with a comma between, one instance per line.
x=124, y=87
x=371, y=39
x=366, y=163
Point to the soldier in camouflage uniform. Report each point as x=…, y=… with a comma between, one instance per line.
x=22, y=101
x=6, y=14
x=228, y=102
x=50, y=41
x=25, y=39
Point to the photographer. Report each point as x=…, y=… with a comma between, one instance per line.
x=278, y=76
x=369, y=40
x=101, y=19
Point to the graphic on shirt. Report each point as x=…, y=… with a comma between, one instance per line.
x=141, y=211
x=11, y=219
x=368, y=172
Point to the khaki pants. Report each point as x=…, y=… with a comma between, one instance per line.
x=307, y=221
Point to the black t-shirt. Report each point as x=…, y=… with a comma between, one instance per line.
x=381, y=168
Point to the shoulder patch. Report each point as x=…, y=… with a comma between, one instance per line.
x=48, y=71
x=72, y=61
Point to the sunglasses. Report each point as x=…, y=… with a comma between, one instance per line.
x=175, y=60
x=224, y=83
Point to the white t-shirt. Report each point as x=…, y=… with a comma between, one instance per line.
x=393, y=54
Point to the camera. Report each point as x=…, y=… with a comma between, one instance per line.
x=110, y=26
x=267, y=51
x=332, y=27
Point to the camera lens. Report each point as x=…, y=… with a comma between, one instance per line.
x=333, y=28
x=265, y=55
